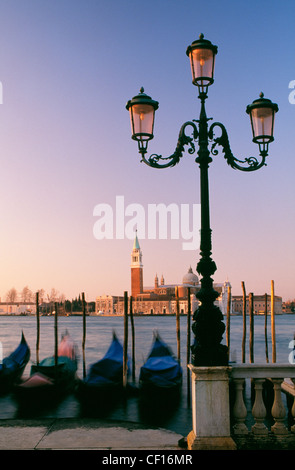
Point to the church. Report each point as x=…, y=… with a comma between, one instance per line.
x=161, y=299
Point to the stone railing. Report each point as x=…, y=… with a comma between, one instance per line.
x=243, y=406
x=260, y=416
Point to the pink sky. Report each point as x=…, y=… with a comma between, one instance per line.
x=67, y=71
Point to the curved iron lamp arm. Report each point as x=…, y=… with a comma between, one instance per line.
x=251, y=162
x=183, y=140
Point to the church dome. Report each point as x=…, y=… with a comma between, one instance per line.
x=190, y=278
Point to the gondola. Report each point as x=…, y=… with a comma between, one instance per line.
x=104, y=380
x=12, y=366
x=161, y=372
x=53, y=377
x=160, y=385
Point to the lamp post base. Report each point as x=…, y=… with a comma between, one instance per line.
x=210, y=409
x=209, y=443
x=210, y=356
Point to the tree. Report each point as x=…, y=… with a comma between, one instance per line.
x=77, y=304
x=26, y=294
x=291, y=305
x=68, y=306
x=11, y=295
x=41, y=293
x=53, y=296
x=61, y=298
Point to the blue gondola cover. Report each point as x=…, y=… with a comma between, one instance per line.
x=161, y=369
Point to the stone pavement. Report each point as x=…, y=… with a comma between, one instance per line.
x=84, y=434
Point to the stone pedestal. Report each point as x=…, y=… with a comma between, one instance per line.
x=210, y=409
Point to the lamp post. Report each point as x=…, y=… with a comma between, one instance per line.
x=208, y=326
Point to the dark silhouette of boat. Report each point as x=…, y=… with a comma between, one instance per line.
x=104, y=380
x=53, y=377
x=12, y=366
x=160, y=385
x=161, y=372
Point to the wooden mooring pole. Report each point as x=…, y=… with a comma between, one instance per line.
x=228, y=320
x=125, y=344
x=251, y=337
x=265, y=328
x=56, y=337
x=84, y=334
x=273, y=326
x=132, y=337
x=244, y=323
x=177, y=324
x=38, y=328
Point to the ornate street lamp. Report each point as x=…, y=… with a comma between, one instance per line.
x=208, y=326
x=142, y=114
x=262, y=115
x=202, y=56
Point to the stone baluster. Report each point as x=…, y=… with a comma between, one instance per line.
x=259, y=410
x=278, y=410
x=239, y=409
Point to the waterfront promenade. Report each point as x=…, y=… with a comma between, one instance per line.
x=83, y=434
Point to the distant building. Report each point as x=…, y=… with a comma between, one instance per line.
x=17, y=308
x=107, y=304
x=258, y=304
x=161, y=298
x=136, y=270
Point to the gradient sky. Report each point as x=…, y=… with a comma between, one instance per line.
x=67, y=69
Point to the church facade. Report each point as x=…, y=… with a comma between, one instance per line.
x=162, y=298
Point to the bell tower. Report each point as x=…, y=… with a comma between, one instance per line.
x=136, y=269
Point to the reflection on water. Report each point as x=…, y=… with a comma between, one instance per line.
x=175, y=415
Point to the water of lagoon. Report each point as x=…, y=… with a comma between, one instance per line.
x=98, y=337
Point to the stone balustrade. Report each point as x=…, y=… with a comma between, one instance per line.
x=243, y=406
x=259, y=411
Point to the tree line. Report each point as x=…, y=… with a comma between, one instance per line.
x=26, y=295
x=290, y=304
